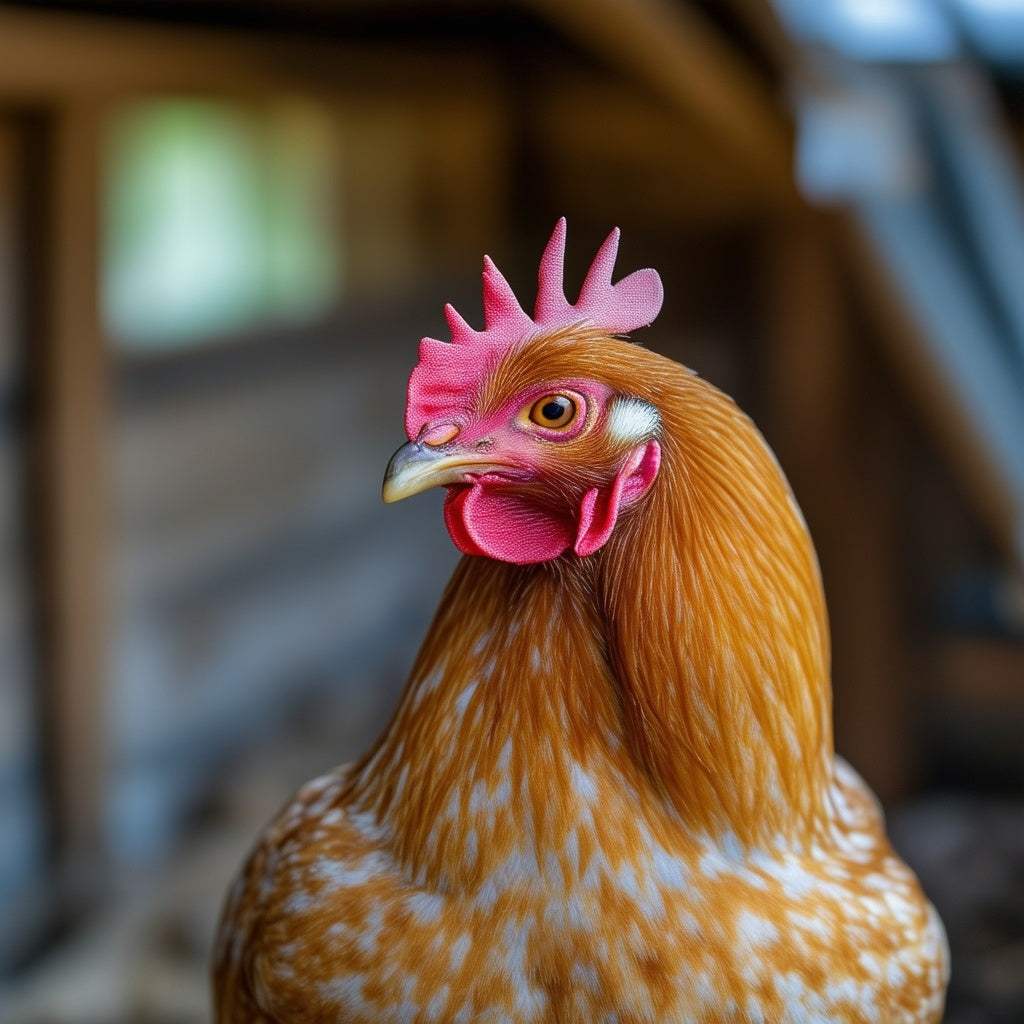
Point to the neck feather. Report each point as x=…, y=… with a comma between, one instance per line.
x=717, y=630
x=677, y=680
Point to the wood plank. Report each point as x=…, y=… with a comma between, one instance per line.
x=10, y=194
x=70, y=389
x=20, y=805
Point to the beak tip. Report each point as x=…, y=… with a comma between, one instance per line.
x=392, y=489
x=413, y=469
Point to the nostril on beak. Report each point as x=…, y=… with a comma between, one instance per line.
x=439, y=435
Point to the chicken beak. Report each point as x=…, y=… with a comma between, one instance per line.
x=417, y=467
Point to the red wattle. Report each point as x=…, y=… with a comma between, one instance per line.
x=508, y=527
x=488, y=521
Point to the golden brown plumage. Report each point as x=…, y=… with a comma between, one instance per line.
x=609, y=792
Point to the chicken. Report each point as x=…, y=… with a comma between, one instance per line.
x=609, y=792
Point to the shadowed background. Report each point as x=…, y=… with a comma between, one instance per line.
x=223, y=229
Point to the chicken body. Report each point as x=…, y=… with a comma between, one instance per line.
x=609, y=792
x=544, y=882
x=696, y=932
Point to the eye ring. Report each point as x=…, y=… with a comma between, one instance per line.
x=556, y=411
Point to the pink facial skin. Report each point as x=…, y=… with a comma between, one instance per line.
x=546, y=502
x=551, y=497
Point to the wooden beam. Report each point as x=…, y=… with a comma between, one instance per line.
x=763, y=22
x=70, y=389
x=842, y=465
x=672, y=47
x=50, y=55
x=908, y=349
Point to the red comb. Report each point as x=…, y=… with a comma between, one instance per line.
x=449, y=374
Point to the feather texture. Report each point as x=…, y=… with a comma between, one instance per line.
x=609, y=791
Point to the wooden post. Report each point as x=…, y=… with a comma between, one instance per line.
x=70, y=481
x=839, y=451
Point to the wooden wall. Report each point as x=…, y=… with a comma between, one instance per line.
x=209, y=551
x=255, y=565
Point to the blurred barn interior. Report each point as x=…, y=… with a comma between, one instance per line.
x=223, y=228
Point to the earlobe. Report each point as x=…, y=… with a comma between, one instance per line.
x=640, y=471
x=599, y=508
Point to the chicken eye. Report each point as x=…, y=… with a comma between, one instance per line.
x=553, y=411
